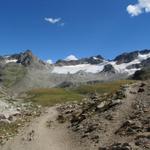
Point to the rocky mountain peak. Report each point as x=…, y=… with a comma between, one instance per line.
x=74, y=61
x=145, y=51
x=70, y=58
x=26, y=58
x=126, y=57
x=131, y=56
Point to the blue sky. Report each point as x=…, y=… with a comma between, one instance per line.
x=54, y=29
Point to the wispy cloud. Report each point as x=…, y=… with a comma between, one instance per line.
x=142, y=6
x=53, y=20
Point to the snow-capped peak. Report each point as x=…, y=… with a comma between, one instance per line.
x=95, y=58
x=71, y=57
x=49, y=61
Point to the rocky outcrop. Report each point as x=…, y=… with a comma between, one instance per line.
x=112, y=122
x=25, y=58
x=128, y=57
x=145, y=63
x=84, y=117
x=143, y=74
x=109, y=69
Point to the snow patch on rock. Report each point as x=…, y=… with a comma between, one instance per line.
x=10, y=60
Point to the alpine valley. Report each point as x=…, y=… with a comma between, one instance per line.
x=75, y=103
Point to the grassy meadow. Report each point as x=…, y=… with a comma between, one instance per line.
x=51, y=96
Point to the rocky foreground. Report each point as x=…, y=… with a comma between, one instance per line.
x=118, y=121
x=14, y=114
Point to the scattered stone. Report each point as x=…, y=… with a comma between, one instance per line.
x=142, y=84
x=129, y=128
x=2, y=117
x=30, y=135
x=61, y=119
x=117, y=146
x=143, y=141
x=141, y=90
x=49, y=123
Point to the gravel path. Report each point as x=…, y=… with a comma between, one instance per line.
x=38, y=136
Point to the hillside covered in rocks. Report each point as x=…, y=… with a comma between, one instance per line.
x=119, y=121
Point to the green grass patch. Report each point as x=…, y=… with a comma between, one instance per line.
x=52, y=96
x=107, y=87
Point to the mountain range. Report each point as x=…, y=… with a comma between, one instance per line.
x=24, y=70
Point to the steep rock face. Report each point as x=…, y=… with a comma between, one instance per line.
x=109, y=69
x=126, y=57
x=91, y=60
x=146, y=51
x=143, y=74
x=134, y=66
x=129, y=57
x=143, y=64
x=26, y=58
x=146, y=63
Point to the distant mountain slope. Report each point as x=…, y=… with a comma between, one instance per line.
x=72, y=60
x=17, y=71
x=125, y=63
x=23, y=71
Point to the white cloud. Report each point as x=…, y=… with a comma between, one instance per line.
x=134, y=10
x=139, y=8
x=53, y=20
x=49, y=61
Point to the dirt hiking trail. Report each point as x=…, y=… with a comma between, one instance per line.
x=38, y=136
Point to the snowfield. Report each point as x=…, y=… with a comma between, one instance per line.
x=76, y=68
x=88, y=68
